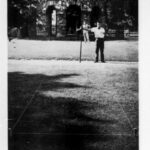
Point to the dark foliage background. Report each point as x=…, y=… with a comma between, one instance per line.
x=116, y=14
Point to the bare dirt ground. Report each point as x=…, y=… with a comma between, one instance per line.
x=62, y=50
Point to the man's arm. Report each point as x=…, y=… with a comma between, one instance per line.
x=89, y=29
x=103, y=30
x=78, y=29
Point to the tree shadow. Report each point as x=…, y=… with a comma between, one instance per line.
x=58, y=123
x=53, y=123
x=22, y=87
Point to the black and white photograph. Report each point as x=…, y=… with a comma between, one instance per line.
x=73, y=74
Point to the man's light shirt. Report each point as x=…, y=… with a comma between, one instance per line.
x=99, y=33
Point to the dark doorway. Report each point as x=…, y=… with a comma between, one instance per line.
x=73, y=18
x=95, y=15
x=51, y=17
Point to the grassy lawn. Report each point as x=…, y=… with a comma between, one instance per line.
x=73, y=106
x=62, y=50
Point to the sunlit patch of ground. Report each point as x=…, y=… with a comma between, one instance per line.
x=70, y=50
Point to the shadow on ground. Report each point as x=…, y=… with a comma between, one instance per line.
x=56, y=123
x=22, y=87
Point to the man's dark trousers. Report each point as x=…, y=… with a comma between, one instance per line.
x=100, y=46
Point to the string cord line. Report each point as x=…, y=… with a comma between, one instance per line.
x=48, y=133
x=129, y=121
x=26, y=107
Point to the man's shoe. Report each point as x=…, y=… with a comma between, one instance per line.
x=103, y=61
x=96, y=61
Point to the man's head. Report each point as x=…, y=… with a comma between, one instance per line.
x=99, y=25
x=85, y=22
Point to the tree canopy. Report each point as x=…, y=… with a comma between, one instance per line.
x=115, y=12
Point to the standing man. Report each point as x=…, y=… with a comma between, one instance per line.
x=99, y=33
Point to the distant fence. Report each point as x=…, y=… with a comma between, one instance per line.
x=121, y=34
x=110, y=35
x=133, y=34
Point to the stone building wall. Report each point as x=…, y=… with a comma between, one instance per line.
x=61, y=18
x=88, y=12
x=61, y=23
